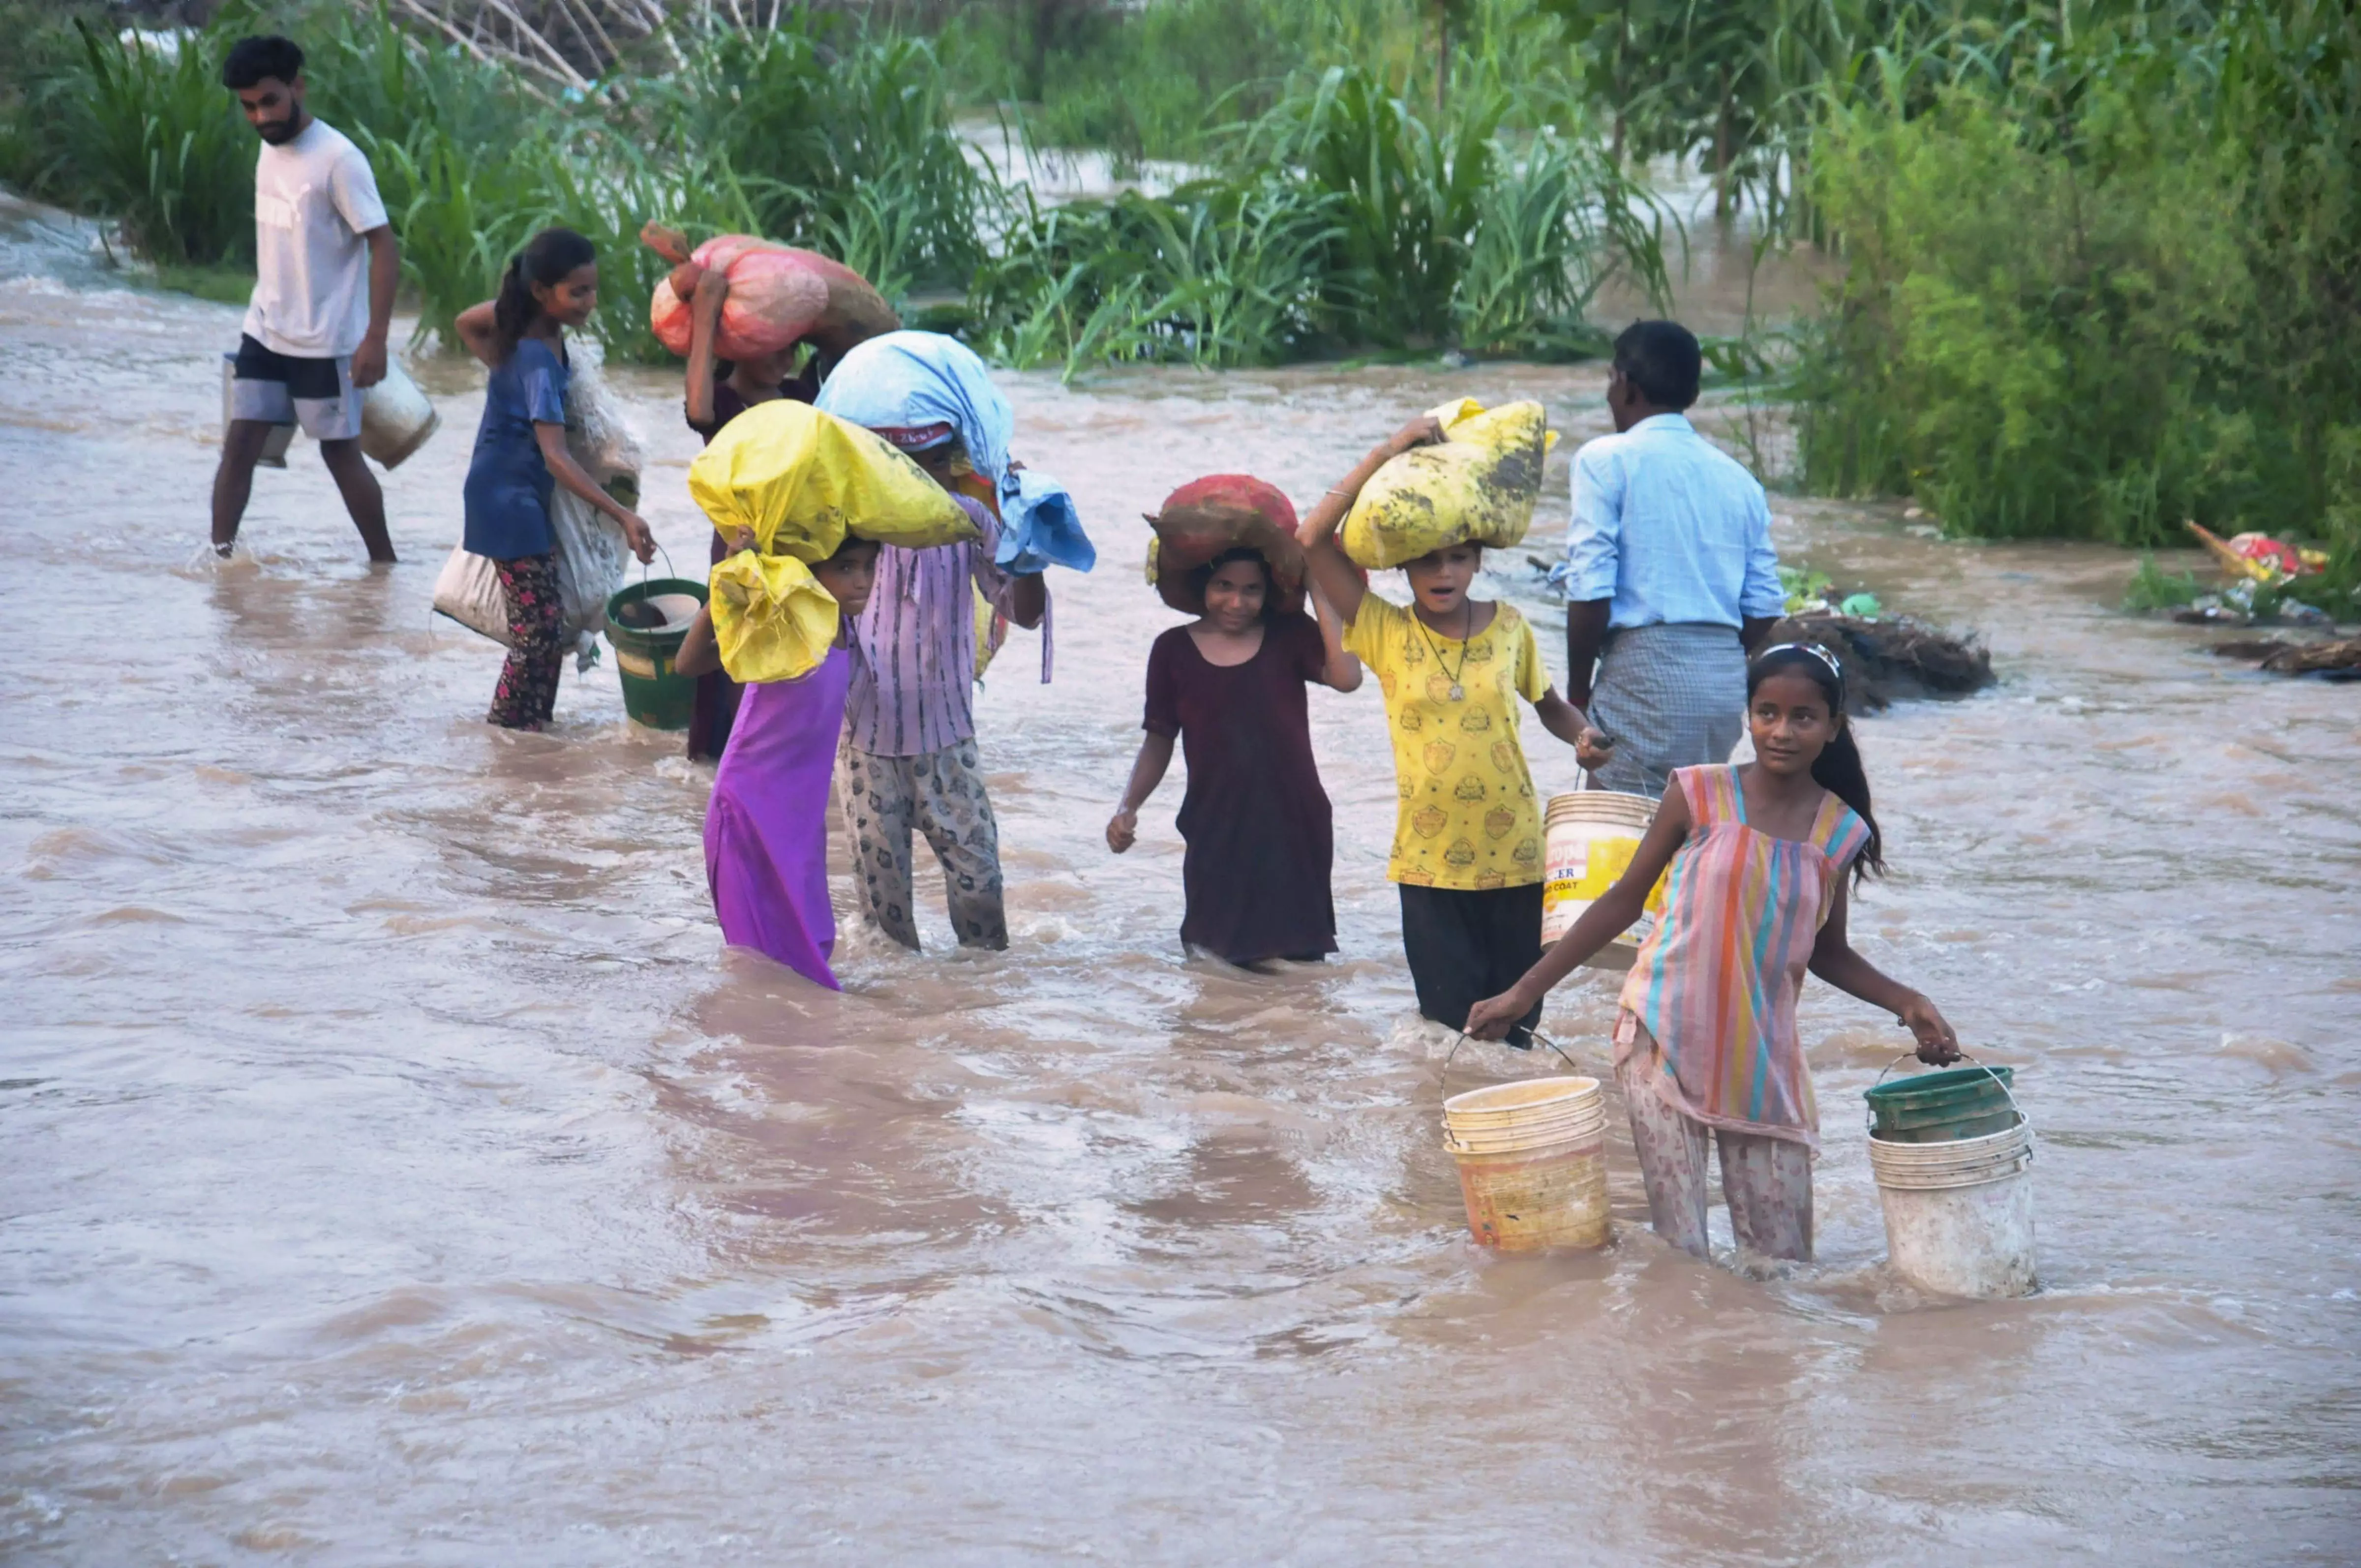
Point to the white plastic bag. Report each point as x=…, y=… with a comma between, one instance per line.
x=468, y=590
x=592, y=555
x=599, y=432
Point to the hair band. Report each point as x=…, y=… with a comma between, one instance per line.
x=1814, y=649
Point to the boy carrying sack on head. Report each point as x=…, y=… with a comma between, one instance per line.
x=1467, y=835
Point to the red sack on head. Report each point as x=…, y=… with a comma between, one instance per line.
x=778, y=295
x=1222, y=512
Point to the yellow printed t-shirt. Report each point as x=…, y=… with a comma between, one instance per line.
x=1467, y=819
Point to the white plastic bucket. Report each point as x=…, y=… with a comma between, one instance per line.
x=1591, y=837
x=1533, y=1162
x=396, y=418
x=282, y=436
x=1959, y=1215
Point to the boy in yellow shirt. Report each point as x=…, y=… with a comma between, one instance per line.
x=1468, y=834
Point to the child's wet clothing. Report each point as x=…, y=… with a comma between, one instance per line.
x=941, y=794
x=526, y=697
x=1706, y=1048
x=1767, y=1181
x=1467, y=817
x=1716, y=981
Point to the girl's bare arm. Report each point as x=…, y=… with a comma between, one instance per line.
x=699, y=653
x=1834, y=960
x=1560, y=717
x=568, y=473
x=1147, y=773
x=703, y=326
x=1605, y=920
x=1331, y=573
x=1343, y=670
x=475, y=329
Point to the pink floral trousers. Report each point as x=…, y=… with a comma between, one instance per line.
x=1767, y=1181
x=527, y=694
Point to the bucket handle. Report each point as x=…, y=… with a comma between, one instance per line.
x=1461, y=1036
x=670, y=570
x=1868, y=1113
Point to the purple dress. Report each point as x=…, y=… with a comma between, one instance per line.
x=716, y=702
x=1255, y=818
x=766, y=829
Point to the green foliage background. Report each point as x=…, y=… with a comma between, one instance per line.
x=2101, y=258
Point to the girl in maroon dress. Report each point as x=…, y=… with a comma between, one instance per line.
x=1230, y=686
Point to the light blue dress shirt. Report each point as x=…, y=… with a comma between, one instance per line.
x=1669, y=528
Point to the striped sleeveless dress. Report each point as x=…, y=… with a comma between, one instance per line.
x=1716, y=982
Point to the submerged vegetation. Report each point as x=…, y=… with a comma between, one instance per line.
x=2101, y=259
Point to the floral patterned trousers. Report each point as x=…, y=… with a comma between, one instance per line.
x=1767, y=1181
x=527, y=694
x=942, y=796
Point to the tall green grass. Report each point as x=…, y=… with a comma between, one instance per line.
x=1345, y=218
x=142, y=133
x=840, y=137
x=1448, y=230
x=1219, y=274
x=1344, y=215
x=2104, y=288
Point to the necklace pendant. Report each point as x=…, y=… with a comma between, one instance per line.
x=1458, y=692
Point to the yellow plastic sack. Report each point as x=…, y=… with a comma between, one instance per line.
x=803, y=479
x=1476, y=486
x=987, y=619
x=772, y=619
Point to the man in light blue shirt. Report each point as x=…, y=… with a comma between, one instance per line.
x=1669, y=575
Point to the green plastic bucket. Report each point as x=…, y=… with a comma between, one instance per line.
x=654, y=694
x=1940, y=1107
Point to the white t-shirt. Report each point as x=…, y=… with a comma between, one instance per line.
x=314, y=199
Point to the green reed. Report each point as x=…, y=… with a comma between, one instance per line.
x=2100, y=288
x=145, y=135
x=840, y=137
x=1346, y=212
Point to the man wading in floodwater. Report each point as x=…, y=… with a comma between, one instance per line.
x=1669, y=575
x=324, y=272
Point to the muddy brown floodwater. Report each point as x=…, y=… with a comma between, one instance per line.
x=398, y=1170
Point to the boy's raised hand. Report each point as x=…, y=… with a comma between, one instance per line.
x=1423, y=431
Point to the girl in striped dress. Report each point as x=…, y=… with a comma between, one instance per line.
x=1706, y=1047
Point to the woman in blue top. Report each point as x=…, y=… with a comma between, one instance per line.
x=521, y=457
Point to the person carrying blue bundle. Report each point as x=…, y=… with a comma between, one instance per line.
x=909, y=761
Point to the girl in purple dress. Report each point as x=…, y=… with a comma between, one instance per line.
x=718, y=391
x=1230, y=686
x=766, y=828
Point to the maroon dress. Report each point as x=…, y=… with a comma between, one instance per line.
x=715, y=705
x=1255, y=818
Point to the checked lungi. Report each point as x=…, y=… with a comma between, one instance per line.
x=1671, y=696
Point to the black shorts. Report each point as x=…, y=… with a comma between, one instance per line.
x=1464, y=946
x=271, y=387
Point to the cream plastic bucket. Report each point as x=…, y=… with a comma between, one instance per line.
x=1533, y=1162
x=282, y=436
x=1959, y=1215
x=396, y=418
x=1591, y=837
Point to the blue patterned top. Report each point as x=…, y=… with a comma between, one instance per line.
x=509, y=486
